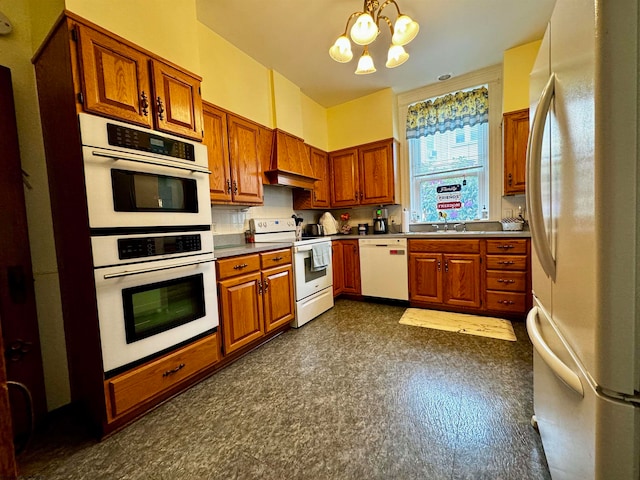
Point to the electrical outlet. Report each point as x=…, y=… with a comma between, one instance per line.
x=213, y=228
x=507, y=213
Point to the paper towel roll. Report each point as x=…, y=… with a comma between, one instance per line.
x=405, y=220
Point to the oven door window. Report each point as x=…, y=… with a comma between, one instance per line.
x=309, y=274
x=157, y=307
x=146, y=192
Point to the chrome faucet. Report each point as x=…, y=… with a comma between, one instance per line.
x=463, y=225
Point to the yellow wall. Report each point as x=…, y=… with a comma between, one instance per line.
x=287, y=110
x=164, y=27
x=517, y=64
x=42, y=17
x=232, y=79
x=363, y=120
x=314, y=123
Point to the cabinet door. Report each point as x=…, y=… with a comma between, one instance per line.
x=217, y=142
x=246, y=168
x=320, y=164
x=461, y=280
x=425, y=278
x=337, y=263
x=376, y=173
x=177, y=102
x=351, y=266
x=277, y=286
x=240, y=302
x=344, y=178
x=114, y=78
x=516, y=135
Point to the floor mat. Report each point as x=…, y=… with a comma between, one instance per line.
x=459, y=322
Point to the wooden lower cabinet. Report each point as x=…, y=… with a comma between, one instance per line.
x=445, y=272
x=255, y=296
x=508, y=276
x=125, y=392
x=346, y=267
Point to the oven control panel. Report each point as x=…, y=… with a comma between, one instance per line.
x=151, y=246
x=126, y=137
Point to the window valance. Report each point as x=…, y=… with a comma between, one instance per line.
x=448, y=112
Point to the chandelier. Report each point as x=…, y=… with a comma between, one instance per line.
x=366, y=29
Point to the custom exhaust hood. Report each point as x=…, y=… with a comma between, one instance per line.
x=290, y=162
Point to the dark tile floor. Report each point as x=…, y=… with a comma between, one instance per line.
x=351, y=395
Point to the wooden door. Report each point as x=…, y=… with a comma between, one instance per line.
x=351, y=258
x=321, y=198
x=7, y=454
x=17, y=294
x=337, y=264
x=425, y=278
x=177, y=101
x=217, y=142
x=277, y=287
x=240, y=301
x=115, y=78
x=516, y=136
x=376, y=173
x=246, y=168
x=462, y=280
x=345, y=183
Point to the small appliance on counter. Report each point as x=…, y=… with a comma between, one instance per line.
x=363, y=228
x=380, y=221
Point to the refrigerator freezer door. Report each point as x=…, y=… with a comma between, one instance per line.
x=585, y=436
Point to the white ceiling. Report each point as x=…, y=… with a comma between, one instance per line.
x=293, y=37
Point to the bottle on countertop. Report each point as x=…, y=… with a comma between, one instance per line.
x=485, y=213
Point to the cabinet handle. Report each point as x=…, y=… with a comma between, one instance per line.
x=235, y=187
x=175, y=370
x=240, y=266
x=266, y=286
x=277, y=259
x=500, y=280
x=360, y=195
x=506, y=246
x=228, y=186
x=506, y=302
x=506, y=262
x=438, y=265
x=259, y=287
x=355, y=249
x=314, y=196
x=160, y=108
x=446, y=266
x=144, y=103
x=510, y=179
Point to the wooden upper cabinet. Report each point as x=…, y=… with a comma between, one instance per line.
x=114, y=78
x=217, y=142
x=121, y=81
x=178, y=105
x=516, y=135
x=246, y=165
x=375, y=161
x=344, y=178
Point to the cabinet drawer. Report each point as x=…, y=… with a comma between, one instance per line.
x=507, y=245
x=134, y=387
x=230, y=267
x=511, y=281
x=507, y=302
x=275, y=258
x=507, y=262
x=444, y=246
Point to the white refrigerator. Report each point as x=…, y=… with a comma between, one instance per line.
x=584, y=212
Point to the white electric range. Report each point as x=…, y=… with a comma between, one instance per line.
x=313, y=278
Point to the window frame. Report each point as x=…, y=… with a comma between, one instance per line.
x=490, y=76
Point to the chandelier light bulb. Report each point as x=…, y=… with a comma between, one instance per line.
x=341, y=50
x=404, y=30
x=365, y=64
x=397, y=56
x=364, y=30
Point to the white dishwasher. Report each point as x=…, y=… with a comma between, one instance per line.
x=383, y=268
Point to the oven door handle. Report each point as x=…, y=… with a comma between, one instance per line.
x=149, y=161
x=127, y=273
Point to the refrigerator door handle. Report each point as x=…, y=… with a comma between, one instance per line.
x=533, y=193
x=560, y=369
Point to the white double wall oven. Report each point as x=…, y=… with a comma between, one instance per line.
x=152, y=247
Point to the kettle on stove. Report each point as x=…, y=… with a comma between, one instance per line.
x=380, y=222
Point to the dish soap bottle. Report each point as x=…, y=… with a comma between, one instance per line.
x=485, y=214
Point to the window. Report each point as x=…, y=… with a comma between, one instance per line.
x=448, y=138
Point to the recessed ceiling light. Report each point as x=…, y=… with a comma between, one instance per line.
x=445, y=76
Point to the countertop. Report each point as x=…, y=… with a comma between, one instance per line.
x=249, y=248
